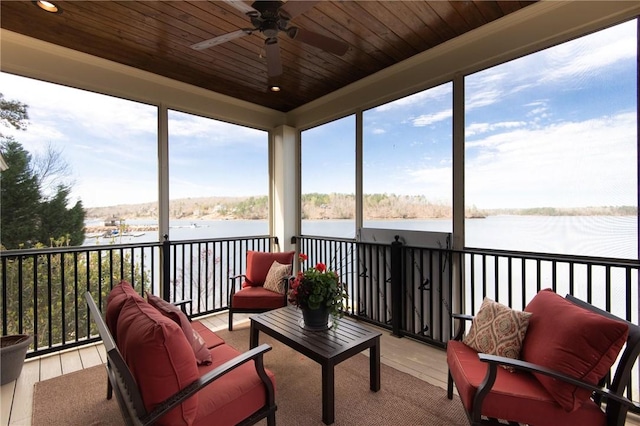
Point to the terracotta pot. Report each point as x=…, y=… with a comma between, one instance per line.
x=13, y=350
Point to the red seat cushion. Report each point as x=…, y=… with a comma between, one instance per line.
x=117, y=296
x=159, y=357
x=257, y=298
x=515, y=396
x=234, y=396
x=570, y=339
x=211, y=339
x=259, y=262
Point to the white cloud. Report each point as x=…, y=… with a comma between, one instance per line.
x=421, y=98
x=589, y=55
x=570, y=164
x=434, y=182
x=484, y=97
x=478, y=128
x=121, y=189
x=197, y=129
x=428, y=119
x=378, y=131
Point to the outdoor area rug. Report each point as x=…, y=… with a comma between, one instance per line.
x=80, y=398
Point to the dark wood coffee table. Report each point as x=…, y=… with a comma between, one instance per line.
x=327, y=348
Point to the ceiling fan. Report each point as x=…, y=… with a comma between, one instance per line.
x=271, y=18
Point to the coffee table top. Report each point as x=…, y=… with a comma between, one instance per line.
x=335, y=344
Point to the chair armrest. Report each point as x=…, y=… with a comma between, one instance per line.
x=182, y=304
x=495, y=360
x=460, y=329
x=462, y=317
x=287, y=283
x=233, y=281
x=235, y=277
x=177, y=399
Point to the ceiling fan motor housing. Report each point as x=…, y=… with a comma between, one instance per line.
x=269, y=20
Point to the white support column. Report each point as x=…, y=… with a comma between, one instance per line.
x=285, y=202
x=358, y=171
x=163, y=172
x=163, y=195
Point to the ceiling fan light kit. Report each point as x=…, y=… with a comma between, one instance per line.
x=271, y=18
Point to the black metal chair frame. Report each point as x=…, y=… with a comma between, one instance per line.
x=607, y=392
x=130, y=400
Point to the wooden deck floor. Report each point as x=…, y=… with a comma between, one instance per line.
x=16, y=398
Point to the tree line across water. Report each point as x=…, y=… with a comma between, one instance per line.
x=317, y=206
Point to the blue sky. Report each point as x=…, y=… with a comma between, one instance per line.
x=556, y=128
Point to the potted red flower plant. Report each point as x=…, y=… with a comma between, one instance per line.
x=320, y=295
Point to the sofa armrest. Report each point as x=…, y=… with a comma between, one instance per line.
x=494, y=361
x=208, y=378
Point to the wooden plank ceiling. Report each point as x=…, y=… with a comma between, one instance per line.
x=156, y=36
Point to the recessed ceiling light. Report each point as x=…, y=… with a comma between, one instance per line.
x=274, y=88
x=48, y=6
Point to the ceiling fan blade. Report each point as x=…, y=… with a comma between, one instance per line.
x=221, y=39
x=328, y=44
x=294, y=8
x=242, y=6
x=274, y=63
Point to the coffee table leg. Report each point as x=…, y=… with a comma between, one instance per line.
x=328, y=394
x=374, y=366
x=253, y=336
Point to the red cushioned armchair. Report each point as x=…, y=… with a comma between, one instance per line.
x=252, y=296
x=563, y=374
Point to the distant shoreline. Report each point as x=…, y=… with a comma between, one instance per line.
x=333, y=207
x=135, y=228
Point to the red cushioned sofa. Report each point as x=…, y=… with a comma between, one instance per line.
x=562, y=376
x=168, y=372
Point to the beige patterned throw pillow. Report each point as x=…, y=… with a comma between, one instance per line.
x=497, y=330
x=275, y=277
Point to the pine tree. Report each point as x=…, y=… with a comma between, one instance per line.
x=59, y=225
x=19, y=198
x=28, y=217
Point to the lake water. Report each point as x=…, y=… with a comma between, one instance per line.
x=607, y=236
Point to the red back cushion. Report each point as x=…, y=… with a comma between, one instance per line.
x=169, y=310
x=118, y=295
x=259, y=262
x=159, y=357
x=570, y=339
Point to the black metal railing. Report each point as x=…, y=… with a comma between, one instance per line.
x=433, y=282
x=42, y=289
x=406, y=289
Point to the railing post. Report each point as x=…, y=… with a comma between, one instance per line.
x=396, y=287
x=166, y=269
